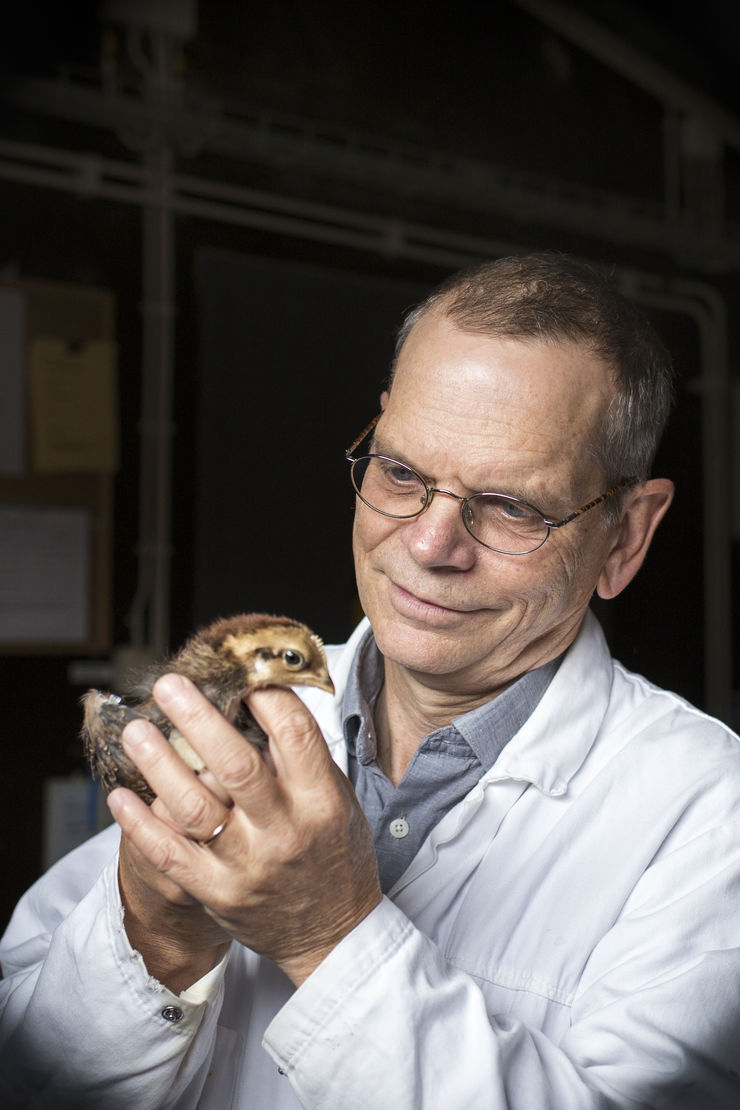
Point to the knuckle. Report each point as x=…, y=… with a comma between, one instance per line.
x=332, y=809
x=193, y=809
x=281, y=711
x=239, y=770
x=292, y=846
x=293, y=727
x=162, y=856
x=299, y=724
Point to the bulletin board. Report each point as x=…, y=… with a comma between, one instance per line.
x=58, y=455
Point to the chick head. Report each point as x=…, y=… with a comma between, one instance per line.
x=273, y=651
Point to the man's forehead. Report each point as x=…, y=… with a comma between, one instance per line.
x=437, y=325
x=437, y=356
x=509, y=406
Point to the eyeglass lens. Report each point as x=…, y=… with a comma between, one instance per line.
x=501, y=523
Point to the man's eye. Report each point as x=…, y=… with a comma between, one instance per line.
x=395, y=472
x=403, y=474
x=514, y=510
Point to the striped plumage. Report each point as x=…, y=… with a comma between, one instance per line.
x=225, y=660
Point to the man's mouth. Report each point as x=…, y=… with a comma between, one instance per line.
x=411, y=603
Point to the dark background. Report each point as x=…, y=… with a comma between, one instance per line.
x=433, y=123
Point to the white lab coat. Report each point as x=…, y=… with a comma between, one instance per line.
x=567, y=937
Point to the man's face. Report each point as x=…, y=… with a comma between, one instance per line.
x=473, y=413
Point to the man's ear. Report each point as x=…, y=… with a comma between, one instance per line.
x=384, y=399
x=644, y=509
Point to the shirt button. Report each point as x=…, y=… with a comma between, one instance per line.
x=172, y=1013
x=399, y=828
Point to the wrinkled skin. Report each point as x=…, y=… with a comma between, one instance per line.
x=294, y=872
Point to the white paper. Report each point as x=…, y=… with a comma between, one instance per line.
x=12, y=382
x=44, y=575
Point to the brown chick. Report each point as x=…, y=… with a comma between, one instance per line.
x=225, y=660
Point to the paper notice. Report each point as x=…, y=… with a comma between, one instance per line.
x=44, y=575
x=74, y=425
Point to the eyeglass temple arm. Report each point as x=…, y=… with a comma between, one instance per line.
x=592, y=504
x=550, y=523
x=356, y=442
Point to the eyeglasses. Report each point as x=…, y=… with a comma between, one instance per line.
x=499, y=521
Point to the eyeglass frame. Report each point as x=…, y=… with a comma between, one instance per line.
x=431, y=490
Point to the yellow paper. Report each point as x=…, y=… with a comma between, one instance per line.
x=74, y=424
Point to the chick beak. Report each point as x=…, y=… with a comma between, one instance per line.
x=323, y=682
x=318, y=676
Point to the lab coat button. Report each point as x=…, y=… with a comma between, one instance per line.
x=172, y=1013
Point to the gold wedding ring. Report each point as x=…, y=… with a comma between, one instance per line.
x=218, y=830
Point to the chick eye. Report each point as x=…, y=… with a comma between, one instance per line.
x=293, y=659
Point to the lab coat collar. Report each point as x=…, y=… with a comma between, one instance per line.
x=551, y=745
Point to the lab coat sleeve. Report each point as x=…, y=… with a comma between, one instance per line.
x=651, y=1013
x=387, y=1021
x=82, y=1024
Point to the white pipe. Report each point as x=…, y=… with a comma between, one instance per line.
x=323, y=223
x=637, y=67
x=149, y=616
x=703, y=304
x=588, y=211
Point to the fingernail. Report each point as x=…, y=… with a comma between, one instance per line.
x=170, y=686
x=114, y=801
x=135, y=733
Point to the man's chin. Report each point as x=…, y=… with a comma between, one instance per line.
x=423, y=652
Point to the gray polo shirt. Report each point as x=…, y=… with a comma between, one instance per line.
x=444, y=768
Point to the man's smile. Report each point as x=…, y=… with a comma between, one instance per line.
x=412, y=604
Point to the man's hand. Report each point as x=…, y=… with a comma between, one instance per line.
x=177, y=937
x=293, y=872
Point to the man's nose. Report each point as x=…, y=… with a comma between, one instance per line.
x=437, y=537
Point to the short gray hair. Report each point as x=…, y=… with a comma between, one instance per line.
x=552, y=296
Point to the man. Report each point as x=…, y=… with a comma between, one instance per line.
x=545, y=910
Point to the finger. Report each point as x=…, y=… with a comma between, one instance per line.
x=187, y=802
x=138, y=876
x=299, y=751
x=210, y=781
x=236, y=764
x=171, y=854
x=180, y=858
x=226, y=754
x=140, y=827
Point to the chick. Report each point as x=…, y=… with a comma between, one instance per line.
x=225, y=660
